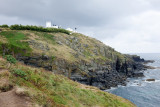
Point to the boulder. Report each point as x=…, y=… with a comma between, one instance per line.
x=149, y=67
x=150, y=79
x=59, y=42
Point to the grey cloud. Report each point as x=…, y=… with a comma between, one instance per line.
x=83, y=12
x=101, y=19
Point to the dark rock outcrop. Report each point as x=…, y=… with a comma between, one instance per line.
x=103, y=76
x=79, y=58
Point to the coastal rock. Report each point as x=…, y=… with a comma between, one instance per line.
x=148, y=61
x=138, y=74
x=40, y=46
x=149, y=67
x=150, y=79
x=95, y=74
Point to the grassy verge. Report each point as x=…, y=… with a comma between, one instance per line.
x=15, y=43
x=50, y=90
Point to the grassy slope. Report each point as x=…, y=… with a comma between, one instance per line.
x=48, y=89
x=17, y=41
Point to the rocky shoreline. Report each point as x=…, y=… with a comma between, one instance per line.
x=102, y=76
x=105, y=79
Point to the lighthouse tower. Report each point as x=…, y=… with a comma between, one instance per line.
x=48, y=24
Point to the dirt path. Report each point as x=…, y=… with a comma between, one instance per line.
x=10, y=99
x=2, y=70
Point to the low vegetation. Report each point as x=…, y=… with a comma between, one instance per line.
x=10, y=59
x=4, y=26
x=40, y=29
x=43, y=87
x=50, y=90
x=15, y=43
x=46, y=37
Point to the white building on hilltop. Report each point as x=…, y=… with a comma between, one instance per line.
x=49, y=25
x=72, y=30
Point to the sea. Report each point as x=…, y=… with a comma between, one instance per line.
x=139, y=91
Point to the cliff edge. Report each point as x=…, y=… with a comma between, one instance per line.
x=78, y=57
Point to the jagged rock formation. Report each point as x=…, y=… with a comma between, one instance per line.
x=27, y=86
x=100, y=75
x=78, y=57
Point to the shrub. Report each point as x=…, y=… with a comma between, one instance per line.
x=10, y=59
x=20, y=73
x=53, y=58
x=36, y=28
x=4, y=26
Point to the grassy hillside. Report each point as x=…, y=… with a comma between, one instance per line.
x=49, y=90
x=74, y=55
x=75, y=46
x=66, y=54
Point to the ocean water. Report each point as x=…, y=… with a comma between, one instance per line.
x=138, y=90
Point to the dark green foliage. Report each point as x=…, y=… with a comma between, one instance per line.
x=53, y=58
x=4, y=26
x=40, y=29
x=20, y=73
x=10, y=59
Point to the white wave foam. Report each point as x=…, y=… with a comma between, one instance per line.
x=157, y=80
x=112, y=88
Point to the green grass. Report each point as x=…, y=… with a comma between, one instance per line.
x=46, y=37
x=14, y=38
x=15, y=43
x=87, y=54
x=46, y=88
x=49, y=90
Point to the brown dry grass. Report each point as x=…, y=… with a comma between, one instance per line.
x=82, y=86
x=60, y=51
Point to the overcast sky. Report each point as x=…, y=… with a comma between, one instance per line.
x=129, y=26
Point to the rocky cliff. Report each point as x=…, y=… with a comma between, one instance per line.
x=79, y=57
x=28, y=86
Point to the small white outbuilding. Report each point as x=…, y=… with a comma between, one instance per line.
x=70, y=29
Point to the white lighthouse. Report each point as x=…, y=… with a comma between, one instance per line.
x=49, y=25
